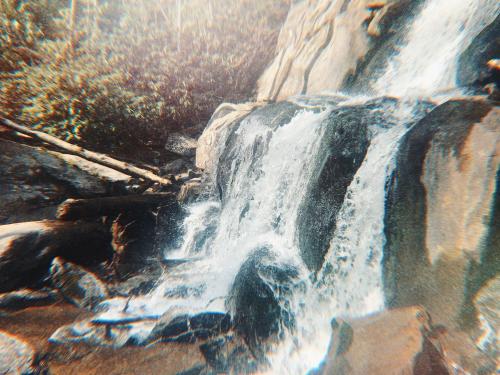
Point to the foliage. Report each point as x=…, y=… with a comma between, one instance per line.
x=136, y=73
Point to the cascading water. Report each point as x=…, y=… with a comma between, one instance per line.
x=268, y=169
x=427, y=63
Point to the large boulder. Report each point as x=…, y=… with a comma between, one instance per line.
x=473, y=62
x=181, y=144
x=398, y=342
x=442, y=214
x=349, y=129
x=16, y=356
x=27, y=249
x=77, y=286
x=323, y=44
x=33, y=181
x=225, y=117
x=258, y=298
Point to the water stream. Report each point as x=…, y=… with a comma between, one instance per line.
x=268, y=177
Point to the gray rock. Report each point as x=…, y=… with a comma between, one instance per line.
x=487, y=303
x=472, y=63
x=176, y=166
x=190, y=190
x=140, y=284
x=23, y=298
x=114, y=335
x=176, y=326
x=33, y=181
x=181, y=145
x=259, y=313
x=16, y=356
x=78, y=286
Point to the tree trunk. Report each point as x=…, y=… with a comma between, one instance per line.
x=73, y=209
x=72, y=26
x=95, y=157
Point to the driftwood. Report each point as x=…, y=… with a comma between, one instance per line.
x=72, y=209
x=26, y=249
x=88, y=155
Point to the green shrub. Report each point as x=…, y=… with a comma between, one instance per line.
x=135, y=76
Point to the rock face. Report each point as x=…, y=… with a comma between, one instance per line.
x=224, y=118
x=77, y=285
x=258, y=312
x=473, y=62
x=27, y=249
x=442, y=215
x=442, y=210
x=16, y=357
x=487, y=304
x=394, y=342
x=344, y=146
x=324, y=43
x=23, y=298
x=34, y=181
x=186, y=328
x=181, y=145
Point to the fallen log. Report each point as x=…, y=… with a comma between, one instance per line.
x=72, y=209
x=88, y=155
x=26, y=249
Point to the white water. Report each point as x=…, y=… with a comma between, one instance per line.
x=268, y=181
x=350, y=282
x=427, y=62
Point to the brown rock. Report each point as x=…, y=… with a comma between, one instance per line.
x=16, y=356
x=392, y=342
x=27, y=249
x=78, y=286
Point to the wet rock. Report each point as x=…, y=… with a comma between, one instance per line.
x=225, y=117
x=181, y=144
x=190, y=190
x=78, y=286
x=258, y=311
x=83, y=331
x=186, y=328
x=229, y=354
x=487, y=304
x=392, y=342
x=442, y=217
x=23, y=298
x=473, y=67
x=196, y=370
x=136, y=285
x=344, y=146
x=111, y=334
x=16, y=356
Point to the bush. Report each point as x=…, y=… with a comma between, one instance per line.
x=135, y=75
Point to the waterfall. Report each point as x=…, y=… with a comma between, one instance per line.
x=426, y=63
x=265, y=171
